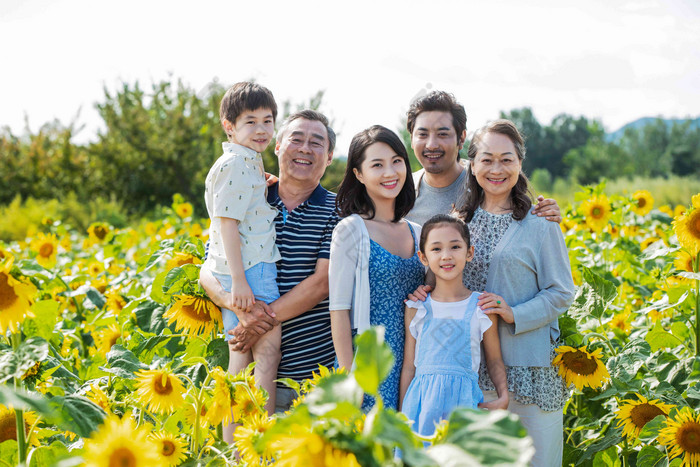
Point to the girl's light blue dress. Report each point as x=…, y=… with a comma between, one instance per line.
x=444, y=377
x=391, y=279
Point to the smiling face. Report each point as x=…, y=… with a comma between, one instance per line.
x=303, y=151
x=252, y=129
x=446, y=252
x=382, y=172
x=435, y=141
x=496, y=166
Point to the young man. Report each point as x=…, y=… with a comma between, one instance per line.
x=438, y=127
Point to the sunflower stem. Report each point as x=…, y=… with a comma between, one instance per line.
x=697, y=312
x=21, y=439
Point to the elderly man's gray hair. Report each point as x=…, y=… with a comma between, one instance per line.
x=312, y=115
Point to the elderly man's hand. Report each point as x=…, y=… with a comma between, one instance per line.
x=547, y=208
x=251, y=326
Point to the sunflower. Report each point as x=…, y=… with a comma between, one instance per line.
x=685, y=262
x=183, y=210
x=310, y=449
x=159, y=390
x=681, y=436
x=8, y=425
x=99, y=397
x=581, y=368
x=120, y=442
x=249, y=401
x=597, y=212
x=687, y=229
x=223, y=398
x=45, y=247
x=106, y=338
x=15, y=299
x=115, y=301
x=666, y=209
x=190, y=413
x=172, y=448
x=621, y=322
x=647, y=242
x=633, y=415
x=246, y=438
x=194, y=315
x=95, y=268
x=151, y=229
x=98, y=231
x=196, y=231
x=180, y=258
x=642, y=202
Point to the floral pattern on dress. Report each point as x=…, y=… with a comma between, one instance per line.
x=392, y=278
x=541, y=386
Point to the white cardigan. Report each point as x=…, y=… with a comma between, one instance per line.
x=349, y=265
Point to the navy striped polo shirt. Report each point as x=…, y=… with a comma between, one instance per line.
x=304, y=236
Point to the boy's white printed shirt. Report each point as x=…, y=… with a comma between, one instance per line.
x=235, y=188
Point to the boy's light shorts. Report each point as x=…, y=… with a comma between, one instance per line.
x=262, y=279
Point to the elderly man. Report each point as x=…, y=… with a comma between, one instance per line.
x=304, y=224
x=438, y=127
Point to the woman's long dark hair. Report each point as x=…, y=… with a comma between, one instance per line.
x=520, y=195
x=352, y=195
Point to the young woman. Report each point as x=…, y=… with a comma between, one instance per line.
x=374, y=262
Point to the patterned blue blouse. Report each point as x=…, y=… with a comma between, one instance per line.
x=391, y=279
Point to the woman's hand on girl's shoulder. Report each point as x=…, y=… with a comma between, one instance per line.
x=491, y=304
x=547, y=208
x=420, y=294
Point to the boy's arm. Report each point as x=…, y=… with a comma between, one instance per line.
x=241, y=294
x=408, y=371
x=341, y=330
x=495, y=366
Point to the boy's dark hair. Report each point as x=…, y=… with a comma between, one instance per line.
x=440, y=101
x=314, y=116
x=440, y=220
x=246, y=96
x=520, y=195
x=352, y=195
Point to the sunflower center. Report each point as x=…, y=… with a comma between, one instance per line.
x=597, y=212
x=163, y=389
x=8, y=297
x=46, y=250
x=8, y=427
x=643, y=413
x=100, y=232
x=688, y=437
x=579, y=363
x=122, y=457
x=694, y=224
x=193, y=312
x=168, y=448
x=113, y=339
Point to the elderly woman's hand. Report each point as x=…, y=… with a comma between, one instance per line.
x=493, y=304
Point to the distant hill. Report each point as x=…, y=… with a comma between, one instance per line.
x=642, y=122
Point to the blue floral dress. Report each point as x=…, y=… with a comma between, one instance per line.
x=391, y=279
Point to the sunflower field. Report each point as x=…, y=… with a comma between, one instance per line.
x=111, y=354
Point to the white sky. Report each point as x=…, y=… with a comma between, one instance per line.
x=611, y=60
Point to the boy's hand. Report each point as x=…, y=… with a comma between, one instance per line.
x=499, y=404
x=241, y=295
x=420, y=294
x=547, y=208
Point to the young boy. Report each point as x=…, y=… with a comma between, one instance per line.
x=242, y=250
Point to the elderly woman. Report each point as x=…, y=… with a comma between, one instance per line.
x=522, y=263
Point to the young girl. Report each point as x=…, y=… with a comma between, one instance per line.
x=444, y=335
x=373, y=261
